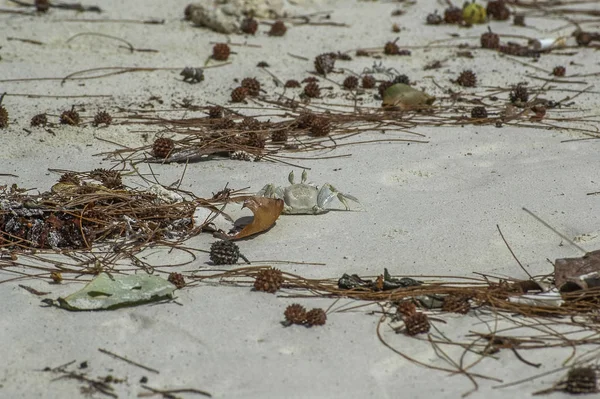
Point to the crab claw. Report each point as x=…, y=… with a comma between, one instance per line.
x=327, y=193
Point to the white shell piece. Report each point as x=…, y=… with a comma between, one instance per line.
x=548, y=299
x=164, y=195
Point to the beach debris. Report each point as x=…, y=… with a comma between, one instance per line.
x=266, y=211
x=192, y=75
x=249, y=26
x=227, y=16
x=39, y=120
x=107, y=292
x=324, y=63
x=490, y=39
x=70, y=117
x=102, y=118
x=547, y=43
x=559, y=71
x=312, y=90
x=474, y=13
x=497, y=9
x=405, y=97
x=3, y=114
x=295, y=314
x=220, y=52
x=224, y=252
x=278, y=29
x=305, y=198
x=551, y=298
x=177, y=280
x=268, y=280
x=467, y=78
x=578, y=273
x=252, y=86
x=316, y=317
x=163, y=147
x=582, y=380
x=239, y=94
x=384, y=283
x=416, y=323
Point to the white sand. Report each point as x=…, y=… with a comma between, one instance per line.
x=430, y=208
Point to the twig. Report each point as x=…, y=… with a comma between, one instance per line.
x=128, y=361
x=512, y=253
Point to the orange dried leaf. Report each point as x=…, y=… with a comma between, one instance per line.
x=265, y=210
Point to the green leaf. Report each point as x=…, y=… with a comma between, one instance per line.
x=405, y=97
x=106, y=292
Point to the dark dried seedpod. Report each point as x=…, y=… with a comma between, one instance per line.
x=262, y=64
x=316, y=317
x=39, y=120
x=305, y=120
x=453, y=15
x=279, y=136
x=467, y=78
x=401, y=79
x=490, y=40
x=268, y=280
x=343, y=56
x=278, y=29
x=406, y=308
x=310, y=79
x=291, y=84
x=177, y=280
x=221, y=52
x=582, y=380
x=350, y=83
x=193, y=75
x=42, y=5
x=368, y=82
x=498, y=10
x=224, y=124
x=295, y=314
x=215, y=112
x=3, y=115
x=312, y=90
x=224, y=252
x=249, y=123
x=434, y=18
x=249, y=26
x=416, y=323
x=456, y=303
x=162, y=147
x=559, y=71
x=519, y=20
x=70, y=178
x=320, y=127
x=102, y=118
x=252, y=86
x=391, y=48
x=256, y=140
x=479, y=112
x=239, y=94
x=109, y=178
x=324, y=63
x=362, y=53
x=70, y=117
x=519, y=94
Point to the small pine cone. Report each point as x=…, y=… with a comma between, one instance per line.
x=278, y=29
x=256, y=140
x=351, y=82
x=249, y=123
x=383, y=86
x=467, y=78
x=401, y=79
x=324, y=63
x=279, y=136
x=102, y=118
x=479, y=113
x=583, y=38
x=519, y=20
x=70, y=118
x=240, y=156
x=3, y=118
x=239, y=94
x=221, y=52
x=490, y=40
x=368, y=82
x=291, y=84
x=456, y=304
x=519, y=94
x=163, y=147
x=417, y=323
x=252, y=86
x=312, y=90
x=224, y=252
x=559, y=71
x=249, y=26
x=42, y=5
x=69, y=178
x=391, y=48
x=295, y=314
x=406, y=308
x=39, y=120
x=215, y=112
x=582, y=380
x=498, y=10
x=224, y=124
x=268, y=280
x=305, y=120
x=320, y=127
x=434, y=19
x=177, y=280
x=453, y=15
x=316, y=317
x=109, y=178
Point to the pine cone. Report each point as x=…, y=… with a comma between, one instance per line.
x=368, y=82
x=39, y=120
x=249, y=26
x=295, y=314
x=256, y=140
x=70, y=178
x=224, y=252
x=497, y=9
x=453, y=15
x=278, y=29
x=315, y=317
x=456, y=304
x=312, y=90
x=177, y=280
x=406, y=308
x=417, y=323
x=434, y=19
x=479, y=113
x=252, y=86
x=249, y=123
x=215, y=112
x=224, y=124
x=391, y=48
x=268, y=280
x=467, y=78
x=519, y=20
x=102, y=118
x=163, y=147
x=109, y=178
x=240, y=156
x=324, y=63
x=70, y=118
x=239, y=94
x=320, y=127
x=3, y=118
x=279, y=136
x=401, y=79
x=42, y=5
x=559, y=71
x=291, y=84
x=351, y=82
x=221, y=52
x=305, y=120
x=519, y=94
x=582, y=380
x=490, y=40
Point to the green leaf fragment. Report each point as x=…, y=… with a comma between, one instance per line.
x=110, y=292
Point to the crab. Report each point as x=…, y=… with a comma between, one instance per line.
x=304, y=198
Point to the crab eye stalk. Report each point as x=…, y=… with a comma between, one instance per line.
x=304, y=176
x=291, y=177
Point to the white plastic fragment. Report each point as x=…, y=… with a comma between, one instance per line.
x=548, y=43
x=550, y=299
x=164, y=195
